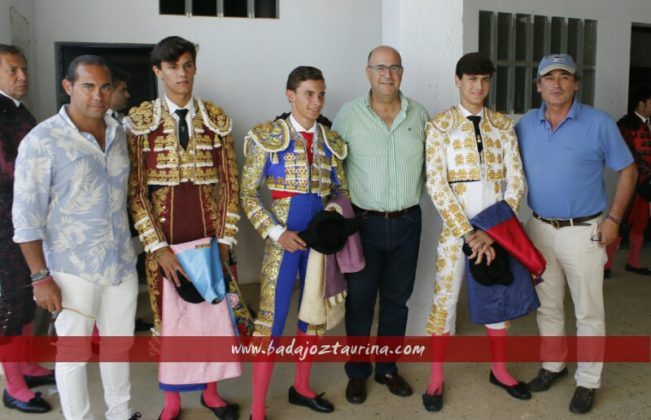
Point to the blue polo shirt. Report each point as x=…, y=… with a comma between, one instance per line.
x=565, y=167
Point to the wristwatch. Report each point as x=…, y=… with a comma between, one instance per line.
x=43, y=274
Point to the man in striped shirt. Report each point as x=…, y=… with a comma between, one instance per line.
x=385, y=134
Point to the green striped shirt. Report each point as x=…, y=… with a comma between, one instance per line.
x=384, y=166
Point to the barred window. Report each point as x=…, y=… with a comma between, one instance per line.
x=516, y=43
x=221, y=8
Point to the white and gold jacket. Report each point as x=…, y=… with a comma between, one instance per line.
x=460, y=182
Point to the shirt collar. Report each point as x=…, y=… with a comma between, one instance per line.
x=298, y=127
x=403, y=101
x=111, y=124
x=571, y=114
x=644, y=119
x=16, y=101
x=172, y=107
x=467, y=113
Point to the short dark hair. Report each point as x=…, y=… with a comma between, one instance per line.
x=11, y=50
x=641, y=94
x=301, y=74
x=86, y=59
x=474, y=63
x=170, y=49
x=119, y=75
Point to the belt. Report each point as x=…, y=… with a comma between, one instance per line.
x=559, y=223
x=385, y=214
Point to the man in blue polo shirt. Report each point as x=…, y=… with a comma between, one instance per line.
x=565, y=147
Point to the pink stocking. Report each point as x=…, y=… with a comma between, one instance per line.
x=439, y=342
x=302, y=375
x=211, y=397
x=635, y=242
x=261, y=378
x=15, y=383
x=172, y=406
x=496, y=339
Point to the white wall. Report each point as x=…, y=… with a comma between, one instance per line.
x=428, y=34
x=242, y=63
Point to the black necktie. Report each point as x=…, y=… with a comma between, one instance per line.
x=475, y=121
x=184, y=137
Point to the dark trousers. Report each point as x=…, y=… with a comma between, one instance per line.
x=391, y=253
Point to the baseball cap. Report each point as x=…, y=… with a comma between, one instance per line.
x=556, y=62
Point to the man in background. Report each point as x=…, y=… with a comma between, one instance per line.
x=17, y=308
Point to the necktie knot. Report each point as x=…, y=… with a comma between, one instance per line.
x=181, y=112
x=307, y=136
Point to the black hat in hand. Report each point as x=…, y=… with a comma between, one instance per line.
x=328, y=231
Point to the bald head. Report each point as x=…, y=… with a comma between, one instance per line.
x=384, y=49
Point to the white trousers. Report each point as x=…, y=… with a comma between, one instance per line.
x=450, y=273
x=113, y=309
x=573, y=258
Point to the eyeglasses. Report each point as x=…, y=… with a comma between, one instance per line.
x=381, y=68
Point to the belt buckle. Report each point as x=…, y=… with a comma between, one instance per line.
x=556, y=223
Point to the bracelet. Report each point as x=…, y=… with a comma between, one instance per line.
x=41, y=282
x=614, y=219
x=43, y=273
x=159, y=252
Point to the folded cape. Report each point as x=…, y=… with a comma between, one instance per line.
x=499, y=302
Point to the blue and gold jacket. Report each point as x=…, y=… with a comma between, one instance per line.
x=276, y=155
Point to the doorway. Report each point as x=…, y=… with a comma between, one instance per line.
x=130, y=58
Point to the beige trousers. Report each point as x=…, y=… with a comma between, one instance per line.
x=573, y=258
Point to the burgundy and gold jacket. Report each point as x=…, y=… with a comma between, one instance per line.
x=179, y=195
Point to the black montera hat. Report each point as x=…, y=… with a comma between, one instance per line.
x=186, y=291
x=328, y=231
x=499, y=272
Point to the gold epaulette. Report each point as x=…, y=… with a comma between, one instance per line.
x=334, y=142
x=270, y=136
x=498, y=120
x=445, y=121
x=214, y=117
x=144, y=118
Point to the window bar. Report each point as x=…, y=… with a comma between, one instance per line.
x=188, y=8
x=492, y=96
x=528, y=80
x=564, y=23
x=548, y=38
x=250, y=5
x=579, y=55
x=220, y=8
x=510, y=89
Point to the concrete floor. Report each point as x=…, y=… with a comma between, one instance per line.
x=625, y=393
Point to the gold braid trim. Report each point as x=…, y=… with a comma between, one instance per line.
x=270, y=136
x=334, y=142
x=144, y=118
x=214, y=118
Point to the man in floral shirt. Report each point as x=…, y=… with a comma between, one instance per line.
x=70, y=219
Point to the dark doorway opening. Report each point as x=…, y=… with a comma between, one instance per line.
x=640, y=71
x=639, y=74
x=131, y=58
